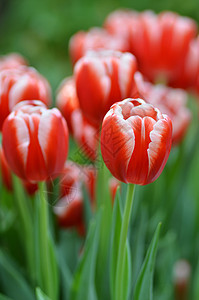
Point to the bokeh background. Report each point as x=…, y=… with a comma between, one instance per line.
x=40, y=29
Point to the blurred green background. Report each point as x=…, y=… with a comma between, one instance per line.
x=40, y=30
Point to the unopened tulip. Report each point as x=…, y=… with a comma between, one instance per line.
x=11, y=61
x=94, y=39
x=169, y=101
x=135, y=141
x=119, y=23
x=35, y=141
x=161, y=43
x=70, y=208
x=188, y=71
x=84, y=133
x=22, y=83
x=103, y=78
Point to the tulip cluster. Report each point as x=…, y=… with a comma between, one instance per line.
x=165, y=45
x=125, y=106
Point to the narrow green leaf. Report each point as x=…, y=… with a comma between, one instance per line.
x=87, y=207
x=144, y=284
x=83, y=286
x=104, y=204
x=40, y=295
x=127, y=277
x=115, y=237
x=12, y=281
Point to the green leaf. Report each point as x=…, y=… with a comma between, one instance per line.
x=12, y=281
x=83, y=286
x=87, y=207
x=104, y=205
x=144, y=284
x=115, y=238
x=40, y=295
x=3, y=297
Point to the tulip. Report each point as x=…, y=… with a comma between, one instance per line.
x=70, y=208
x=35, y=141
x=188, y=72
x=119, y=23
x=6, y=175
x=22, y=83
x=161, y=43
x=171, y=102
x=11, y=61
x=84, y=133
x=94, y=39
x=135, y=141
x=103, y=78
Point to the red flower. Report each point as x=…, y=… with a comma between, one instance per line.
x=20, y=84
x=188, y=72
x=161, y=42
x=135, y=141
x=171, y=102
x=94, y=39
x=103, y=78
x=35, y=141
x=119, y=23
x=85, y=134
x=5, y=171
x=69, y=209
x=11, y=61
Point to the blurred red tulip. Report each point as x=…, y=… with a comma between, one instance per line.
x=103, y=78
x=69, y=209
x=11, y=61
x=169, y=101
x=188, y=72
x=119, y=23
x=35, y=141
x=161, y=43
x=135, y=141
x=5, y=171
x=85, y=134
x=94, y=39
x=22, y=83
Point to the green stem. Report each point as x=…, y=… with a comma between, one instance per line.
x=26, y=224
x=44, y=246
x=122, y=244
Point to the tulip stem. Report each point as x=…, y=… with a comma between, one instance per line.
x=44, y=248
x=26, y=223
x=122, y=243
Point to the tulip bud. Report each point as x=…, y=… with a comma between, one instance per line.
x=94, y=39
x=84, y=133
x=70, y=208
x=160, y=43
x=135, y=141
x=11, y=61
x=103, y=78
x=119, y=22
x=22, y=83
x=35, y=141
